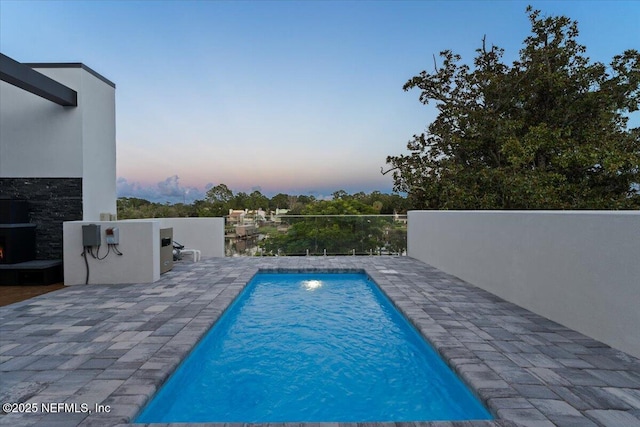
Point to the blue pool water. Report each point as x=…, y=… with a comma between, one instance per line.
x=312, y=348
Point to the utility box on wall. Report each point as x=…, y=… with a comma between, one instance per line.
x=91, y=235
x=166, y=249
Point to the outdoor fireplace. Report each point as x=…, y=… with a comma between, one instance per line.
x=18, y=264
x=17, y=243
x=17, y=234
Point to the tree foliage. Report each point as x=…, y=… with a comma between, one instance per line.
x=219, y=199
x=338, y=226
x=331, y=225
x=547, y=132
x=133, y=207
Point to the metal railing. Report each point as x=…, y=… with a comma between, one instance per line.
x=300, y=235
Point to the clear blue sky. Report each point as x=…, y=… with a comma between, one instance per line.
x=294, y=97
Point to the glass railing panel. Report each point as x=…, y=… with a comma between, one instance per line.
x=313, y=235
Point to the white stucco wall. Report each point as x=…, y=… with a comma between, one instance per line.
x=204, y=234
x=578, y=268
x=38, y=138
x=139, y=243
x=99, y=148
x=41, y=139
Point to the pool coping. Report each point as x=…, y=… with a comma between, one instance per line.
x=526, y=369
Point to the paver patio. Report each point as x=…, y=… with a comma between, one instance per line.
x=114, y=345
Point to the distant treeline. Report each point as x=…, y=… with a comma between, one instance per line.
x=220, y=199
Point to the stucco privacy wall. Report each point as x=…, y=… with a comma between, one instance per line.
x=580, y=269
x=41, y=139
x=140, y=262
x=204, y=234
x=140, y=244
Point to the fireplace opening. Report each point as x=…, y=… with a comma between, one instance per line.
x=18, y=243
x=18, y=264
x=17, y=233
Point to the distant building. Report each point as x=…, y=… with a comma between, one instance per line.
x=275, y=216
x=246, y=231
x=236, y=216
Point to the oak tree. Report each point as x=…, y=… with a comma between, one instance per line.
x=549, y=131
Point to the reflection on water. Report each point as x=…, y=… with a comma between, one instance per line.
x=311, y=285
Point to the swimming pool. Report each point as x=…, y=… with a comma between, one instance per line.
x=312, y=347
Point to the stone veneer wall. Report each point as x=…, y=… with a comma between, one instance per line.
x=51, y=201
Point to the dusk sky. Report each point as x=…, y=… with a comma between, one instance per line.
x=294, y=97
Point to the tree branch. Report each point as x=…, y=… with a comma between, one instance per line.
x=383, y=172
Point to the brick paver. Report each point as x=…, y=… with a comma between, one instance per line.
x=114, y=345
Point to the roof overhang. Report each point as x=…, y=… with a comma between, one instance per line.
x=26, y=78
